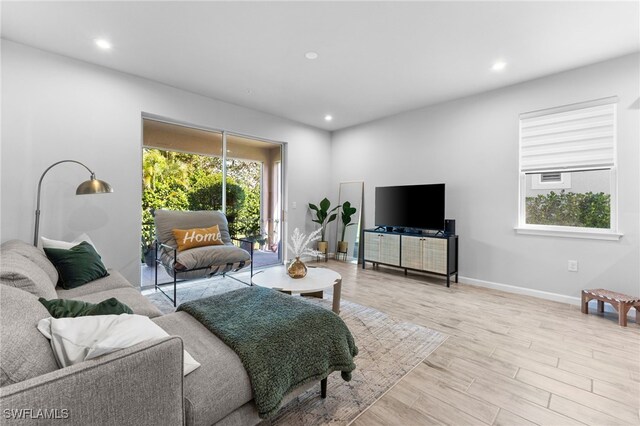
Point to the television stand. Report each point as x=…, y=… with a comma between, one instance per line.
x=435, y=253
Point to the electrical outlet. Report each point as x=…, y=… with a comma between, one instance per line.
x=572, y=266
x=294, y=205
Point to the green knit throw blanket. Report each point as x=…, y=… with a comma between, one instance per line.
x=283, y=341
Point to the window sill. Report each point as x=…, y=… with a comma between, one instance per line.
x=570, y=233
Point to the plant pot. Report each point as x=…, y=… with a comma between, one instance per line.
x=149, y=259
x=322, y=247
x=343, y=246
x=297, y=269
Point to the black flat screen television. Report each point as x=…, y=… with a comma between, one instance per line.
x=411, y=206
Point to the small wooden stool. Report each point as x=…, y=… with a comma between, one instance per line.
x=620, y=302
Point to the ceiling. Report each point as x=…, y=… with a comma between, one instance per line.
x=375, y=58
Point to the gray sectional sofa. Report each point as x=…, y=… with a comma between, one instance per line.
x=141, y=385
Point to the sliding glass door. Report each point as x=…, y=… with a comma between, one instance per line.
x=185, y=168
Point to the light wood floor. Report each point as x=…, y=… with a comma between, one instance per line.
x=509, y=359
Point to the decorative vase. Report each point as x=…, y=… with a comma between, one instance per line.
x=297, y=268
x=343, y=246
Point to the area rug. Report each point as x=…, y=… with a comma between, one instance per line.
x=389, y=349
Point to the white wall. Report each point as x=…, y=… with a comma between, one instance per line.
x=471, y=144
x=57, y=108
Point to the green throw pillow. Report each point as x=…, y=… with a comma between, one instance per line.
x=66, y=308
x=78, y=265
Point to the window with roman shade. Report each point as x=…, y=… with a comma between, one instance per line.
x=567, y=168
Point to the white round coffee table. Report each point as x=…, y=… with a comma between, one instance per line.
x=313, y=284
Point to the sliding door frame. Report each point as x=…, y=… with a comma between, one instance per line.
x=284, y=187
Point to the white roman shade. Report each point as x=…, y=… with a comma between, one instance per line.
x=573, y=137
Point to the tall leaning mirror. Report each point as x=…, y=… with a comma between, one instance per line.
x=349, y=218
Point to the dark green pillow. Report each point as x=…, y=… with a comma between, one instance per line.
x=67, y=308
x=78, y=265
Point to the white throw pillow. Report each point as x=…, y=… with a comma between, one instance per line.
x=66, y=245
x=74, y=340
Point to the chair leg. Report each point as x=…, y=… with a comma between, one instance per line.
x=174, y=289
x=323, y=388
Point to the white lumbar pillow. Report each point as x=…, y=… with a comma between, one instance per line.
x=66, y=245
x=74, y=340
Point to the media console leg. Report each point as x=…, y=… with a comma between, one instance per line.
x=448, y=280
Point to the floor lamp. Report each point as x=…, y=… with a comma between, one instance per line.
x=91, y=186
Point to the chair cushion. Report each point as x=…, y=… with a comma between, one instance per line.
x=221, y=384
x=168, y=220
x=202, y=257
x=129, y=296
x=112, y=281
x=197, y=237
x=18, y=271
x=34, y=254
x=24, y=352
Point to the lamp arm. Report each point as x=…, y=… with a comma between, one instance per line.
x=37, y=225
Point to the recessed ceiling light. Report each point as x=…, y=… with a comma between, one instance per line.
x=311, y=55
x=499, y=66
x=328, y=117
x=102, y=43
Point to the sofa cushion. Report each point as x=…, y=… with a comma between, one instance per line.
x=75, y=340
x=129, y=296
x=68, y=308
x=18, y=271
x=34, y=254
x=112, y=281
x=24, y=352
x=60, y=244
x=221, y=384
x=78, y=265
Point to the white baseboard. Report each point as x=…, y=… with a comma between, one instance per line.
x=521, y=290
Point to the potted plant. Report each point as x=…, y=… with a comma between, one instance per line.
x=148, y=252
x=147, y=240
x=347, y=213
x=323, y=217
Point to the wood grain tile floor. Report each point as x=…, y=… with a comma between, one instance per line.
x=509, y=360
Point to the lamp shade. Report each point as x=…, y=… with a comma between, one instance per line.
x=93, y=186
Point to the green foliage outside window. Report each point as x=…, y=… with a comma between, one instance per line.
x=587, y=210
x=180, y=181
x=206, y=194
